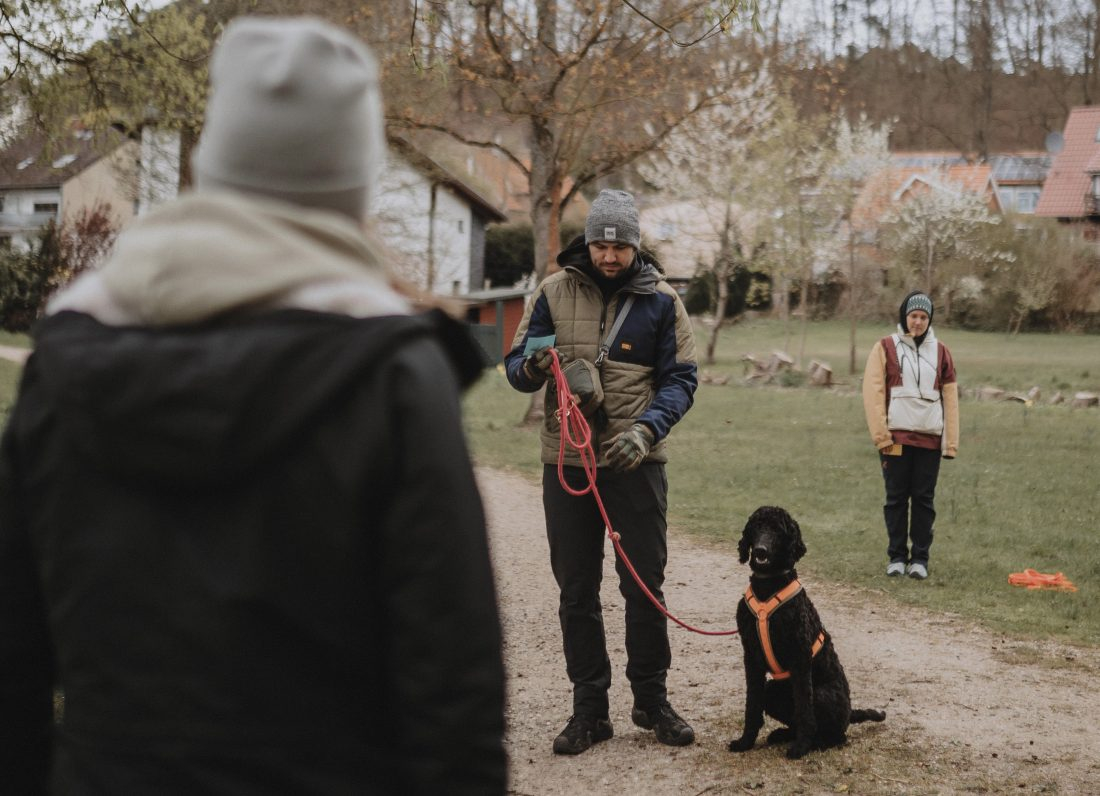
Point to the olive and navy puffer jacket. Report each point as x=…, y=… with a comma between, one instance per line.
x=649, y=374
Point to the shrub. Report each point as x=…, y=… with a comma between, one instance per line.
x=58, y=255
x=509, y=253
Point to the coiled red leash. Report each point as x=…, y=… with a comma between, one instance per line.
x=576, y=432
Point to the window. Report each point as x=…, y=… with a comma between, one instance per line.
x=45, y=207
x=1026, y=201
x=461, y=225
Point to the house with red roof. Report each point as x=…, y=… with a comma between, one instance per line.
x=910, y=174
x=1072, y=189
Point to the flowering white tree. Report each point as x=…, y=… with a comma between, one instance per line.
x=706, y=164
x=941, y=234
x=860, y=151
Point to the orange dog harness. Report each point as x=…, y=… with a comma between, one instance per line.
x=763, y=611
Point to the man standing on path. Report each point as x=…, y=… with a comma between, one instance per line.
x=610, y=306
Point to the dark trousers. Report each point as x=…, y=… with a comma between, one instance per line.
x=909, y=509
x=636, y=504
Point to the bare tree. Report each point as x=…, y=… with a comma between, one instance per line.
x=584, y=87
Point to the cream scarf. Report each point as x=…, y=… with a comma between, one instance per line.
x=211, y=253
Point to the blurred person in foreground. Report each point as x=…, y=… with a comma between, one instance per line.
x=628, y=351
x=240, y=537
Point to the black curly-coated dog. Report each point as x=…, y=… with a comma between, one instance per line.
x=792, y=671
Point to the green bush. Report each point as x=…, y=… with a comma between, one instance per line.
x=27, y=278
x=509, y=253
x=747, y=290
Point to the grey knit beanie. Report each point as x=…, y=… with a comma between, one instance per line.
x=295, y=113
x=613, y=217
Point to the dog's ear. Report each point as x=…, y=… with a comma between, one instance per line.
x=794, y=534
x=744, y=547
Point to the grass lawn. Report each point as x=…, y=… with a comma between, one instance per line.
x=1024, y=491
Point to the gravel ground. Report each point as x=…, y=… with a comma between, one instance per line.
x=967, y=710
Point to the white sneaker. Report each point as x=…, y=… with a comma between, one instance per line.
x=896, y=568
x=918, y=571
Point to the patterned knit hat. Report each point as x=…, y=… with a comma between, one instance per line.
x=917, y=300
x=613, y=217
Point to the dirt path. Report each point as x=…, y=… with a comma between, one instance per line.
x=967, y=711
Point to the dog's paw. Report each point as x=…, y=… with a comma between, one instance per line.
x=797, y=750
x=742, y=744
x=780, y=735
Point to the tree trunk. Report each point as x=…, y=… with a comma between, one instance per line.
x=929, y=262
x=546, y=185
x=851, y=298
x=721, y=274
x=430, y=258
x=807, y=275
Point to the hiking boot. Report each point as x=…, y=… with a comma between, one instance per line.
x=917, y=570
x=670, y=728
x=580, y=733
x=895, y=569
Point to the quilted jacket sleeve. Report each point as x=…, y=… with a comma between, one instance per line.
x=874, y=397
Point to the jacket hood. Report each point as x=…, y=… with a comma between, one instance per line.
x=644, y=279
x=907, y=339
x=902, y=313
x=213, y=253
x=207, y=403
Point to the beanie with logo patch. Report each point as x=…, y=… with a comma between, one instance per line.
x=613, y=218
x=294, y=113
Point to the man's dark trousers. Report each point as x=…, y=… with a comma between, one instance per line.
x=909, y=509
x=636, y=503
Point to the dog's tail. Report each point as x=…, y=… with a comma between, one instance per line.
x=862, y=714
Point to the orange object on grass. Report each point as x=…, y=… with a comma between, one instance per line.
x=1038, y=580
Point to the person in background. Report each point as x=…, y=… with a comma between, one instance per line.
x=645, y=370
x=911, y=399
x=240, y=536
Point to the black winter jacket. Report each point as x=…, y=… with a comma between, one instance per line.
x=252, y=557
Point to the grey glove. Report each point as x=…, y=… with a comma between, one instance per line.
x=539, y=364
x=630, y=448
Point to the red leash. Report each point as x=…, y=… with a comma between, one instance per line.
x=576, y=432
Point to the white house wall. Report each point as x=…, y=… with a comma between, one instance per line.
x=401, y=209
x=684, y=234
x=107, y=183
x=19, y=222
x=160, y=167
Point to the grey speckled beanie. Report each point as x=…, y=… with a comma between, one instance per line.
x=294, y=113
x=613, y=217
